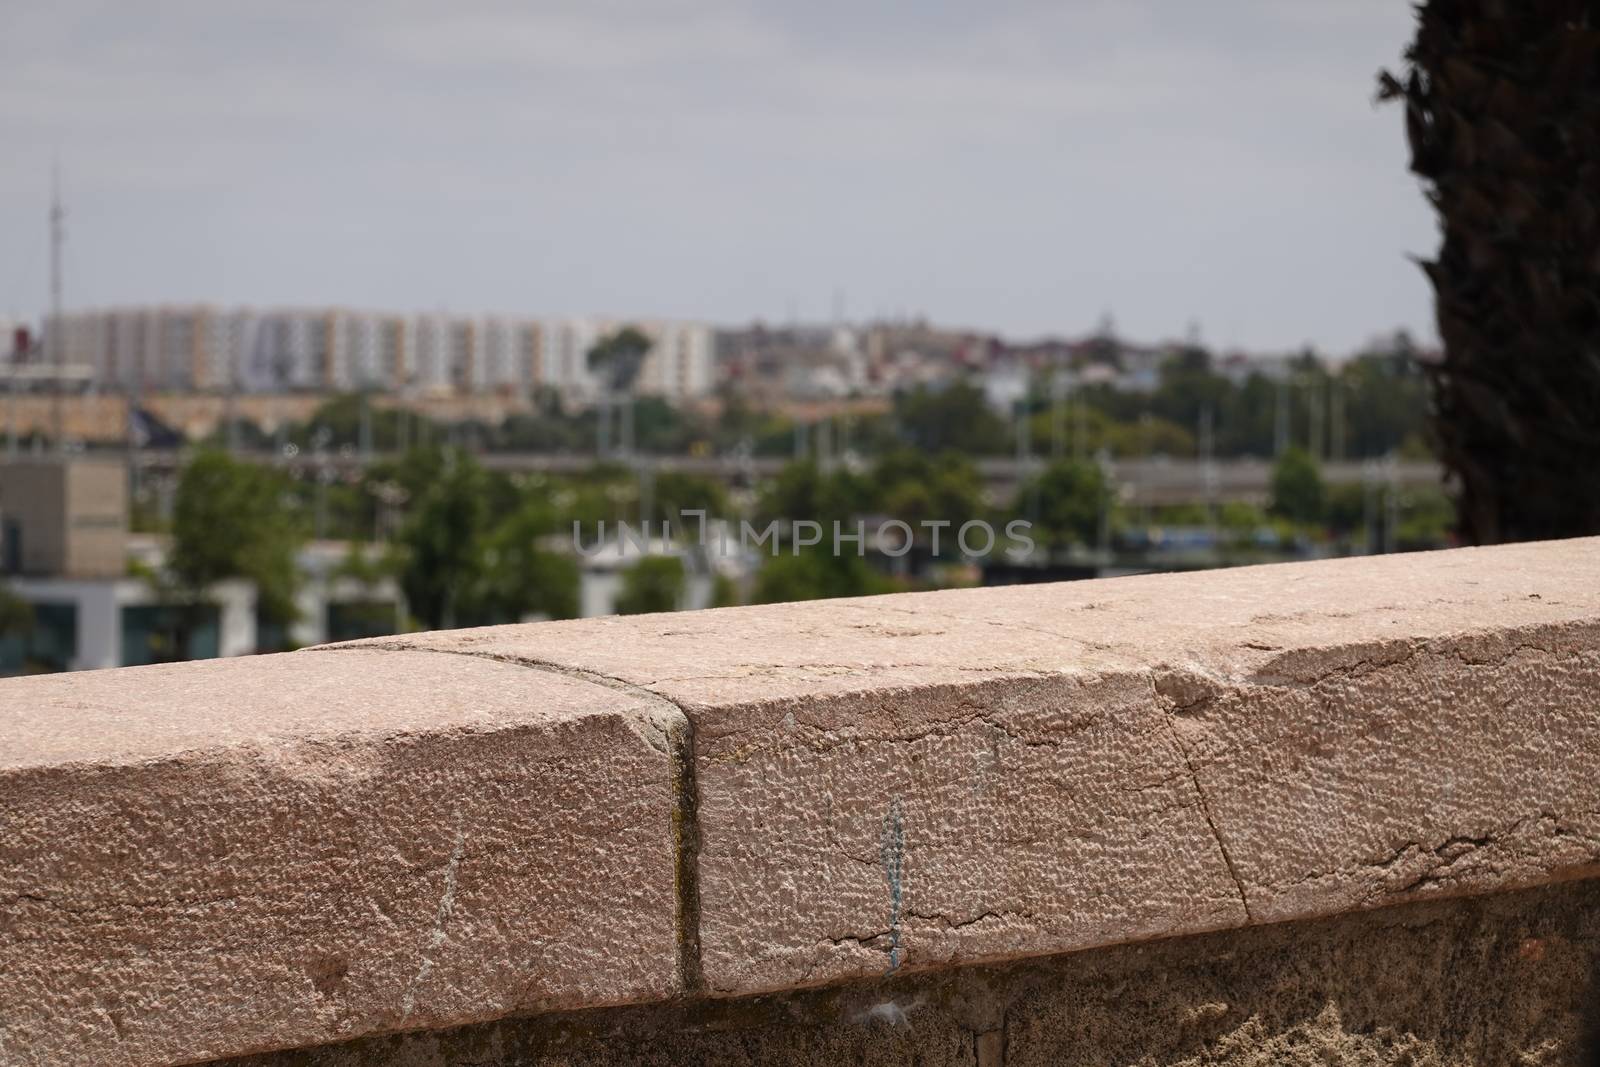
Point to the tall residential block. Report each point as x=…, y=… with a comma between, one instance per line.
x=202, y=348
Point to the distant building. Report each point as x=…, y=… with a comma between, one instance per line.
x=1006, y=382
x=201, y=348
x=567, y=344
x=63, y=517
x=65, y=550
x=796, y=362
x=1238, y=367
x=511, y=355
x=432, y=353
x=679, y=366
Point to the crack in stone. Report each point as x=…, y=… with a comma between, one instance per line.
x=1164, y=707
x=872, y=940
x=947, y=923
x=1453, y=648
x=939, y=729
x=1004, y=624
x=674, y=740
x=436, y=935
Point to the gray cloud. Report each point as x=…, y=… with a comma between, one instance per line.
x=1018, y=166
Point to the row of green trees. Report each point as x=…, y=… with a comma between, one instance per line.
x=1371, y=406
x=468, y=546
x=1072, y=503
x=471, y=546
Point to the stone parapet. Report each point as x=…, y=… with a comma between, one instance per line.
x=222, y=858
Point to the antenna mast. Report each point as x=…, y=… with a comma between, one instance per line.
x=58, y=236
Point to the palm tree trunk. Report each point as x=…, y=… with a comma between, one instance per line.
x=1503, y=116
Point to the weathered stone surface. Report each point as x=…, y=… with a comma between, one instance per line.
x=905, y=781
x=214, y=858
x=1466, y=982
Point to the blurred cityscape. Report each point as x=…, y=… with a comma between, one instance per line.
x=191, y=481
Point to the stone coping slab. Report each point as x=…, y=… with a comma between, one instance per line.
x=921, y=779
x=211, y=859
x=206, y=858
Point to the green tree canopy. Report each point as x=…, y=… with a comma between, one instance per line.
x=815, y=575
x=523, y=576
x=1070, y=498
x=653, y=584
x=475, y=548
x=1385, y=400
x=803, y=490
x=1297, y=491
x=230, y=520
x=618, y=357
x=955, y=418
x=913, y=486
x=442, y=542
x=676, y=492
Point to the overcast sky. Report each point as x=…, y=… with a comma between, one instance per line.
x=1019, y=167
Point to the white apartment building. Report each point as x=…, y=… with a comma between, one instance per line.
x=290, y=353
x=165, y=349
x=566, y=367
x=428, y=367
x=681, y=363
x=202, y=348
x=510, y=355
x=679, y=366
x=367, y=351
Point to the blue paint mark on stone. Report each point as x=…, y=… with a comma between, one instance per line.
x=892, y=854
